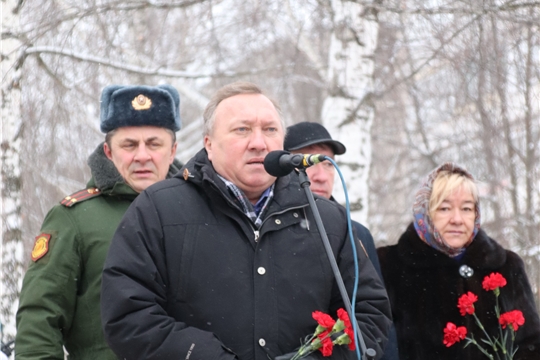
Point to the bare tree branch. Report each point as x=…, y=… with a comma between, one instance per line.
x=146, y=71
x=510, y=6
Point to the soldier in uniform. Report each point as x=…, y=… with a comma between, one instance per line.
x=60, y=296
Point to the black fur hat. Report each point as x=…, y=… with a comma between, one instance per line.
x=139, y=105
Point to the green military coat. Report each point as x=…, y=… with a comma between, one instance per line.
x=60, y=297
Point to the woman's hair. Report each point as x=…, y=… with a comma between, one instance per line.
x=445, y=184
x=227, y=91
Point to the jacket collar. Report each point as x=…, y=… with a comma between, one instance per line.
x=287, y=191
x=104, y=173
x=482, y=253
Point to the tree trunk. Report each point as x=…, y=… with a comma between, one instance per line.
x=348, y=110
x=11, y=250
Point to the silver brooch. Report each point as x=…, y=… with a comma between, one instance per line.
x=465, y=271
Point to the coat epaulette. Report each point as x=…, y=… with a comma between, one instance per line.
x=79, y=196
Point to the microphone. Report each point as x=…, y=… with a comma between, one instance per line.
x=280, y=163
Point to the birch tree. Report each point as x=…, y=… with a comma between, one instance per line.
x=11, y=261
x=348, y=108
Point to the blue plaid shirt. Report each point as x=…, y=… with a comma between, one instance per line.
x=254, y=213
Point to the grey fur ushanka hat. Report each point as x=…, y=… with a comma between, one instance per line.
x=140, y=105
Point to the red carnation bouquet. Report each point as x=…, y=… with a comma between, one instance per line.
x=328, y=333
x=509, y=323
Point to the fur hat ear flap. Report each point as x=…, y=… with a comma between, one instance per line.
x=140, y=105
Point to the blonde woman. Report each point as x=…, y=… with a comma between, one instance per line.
x=443, y=255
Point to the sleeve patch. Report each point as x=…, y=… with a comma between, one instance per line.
x=41, y=246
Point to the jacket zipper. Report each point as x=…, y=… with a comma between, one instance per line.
x=305, y=217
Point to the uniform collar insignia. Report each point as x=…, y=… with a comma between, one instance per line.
x=186, y=174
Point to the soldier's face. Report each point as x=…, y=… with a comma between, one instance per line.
x=246, y=128
x=142, y=154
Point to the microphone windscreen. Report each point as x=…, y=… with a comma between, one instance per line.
x=273, y=166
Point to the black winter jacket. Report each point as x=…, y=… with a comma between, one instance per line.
x=188, y=276
x=424, y=285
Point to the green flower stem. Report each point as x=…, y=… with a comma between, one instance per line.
x=497, y=308
x=485, y=333
x=508, y=355
x=498, y=313
x=306, y=349
x=484, y=351
x=511, y=352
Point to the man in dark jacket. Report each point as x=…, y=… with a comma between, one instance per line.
x=223, y=261
x=313, y=138
x=59, y=302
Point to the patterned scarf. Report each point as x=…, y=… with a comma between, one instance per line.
x=247, y=207
x=422, y=220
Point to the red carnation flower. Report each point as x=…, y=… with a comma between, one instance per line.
x=350, y=333
x=323, y=319
x=512, y=318
x=493, y=281
x=453, y=334
x=466, y=303
x=327, y=346
x=344, y=316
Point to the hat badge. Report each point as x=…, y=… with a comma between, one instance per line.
x=141, y=102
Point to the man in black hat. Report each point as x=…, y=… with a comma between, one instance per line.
x=59, y=302
x=313, y=138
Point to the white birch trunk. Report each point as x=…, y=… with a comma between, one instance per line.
x=348, y=111
x=11, y=243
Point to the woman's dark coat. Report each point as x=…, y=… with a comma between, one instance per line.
x=424, y=285
x=187, y=275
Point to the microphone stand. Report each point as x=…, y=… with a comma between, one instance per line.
x=367, y=354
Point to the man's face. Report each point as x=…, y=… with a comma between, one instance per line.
x=322, y=174
x=142, y=154
x=246, y=128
